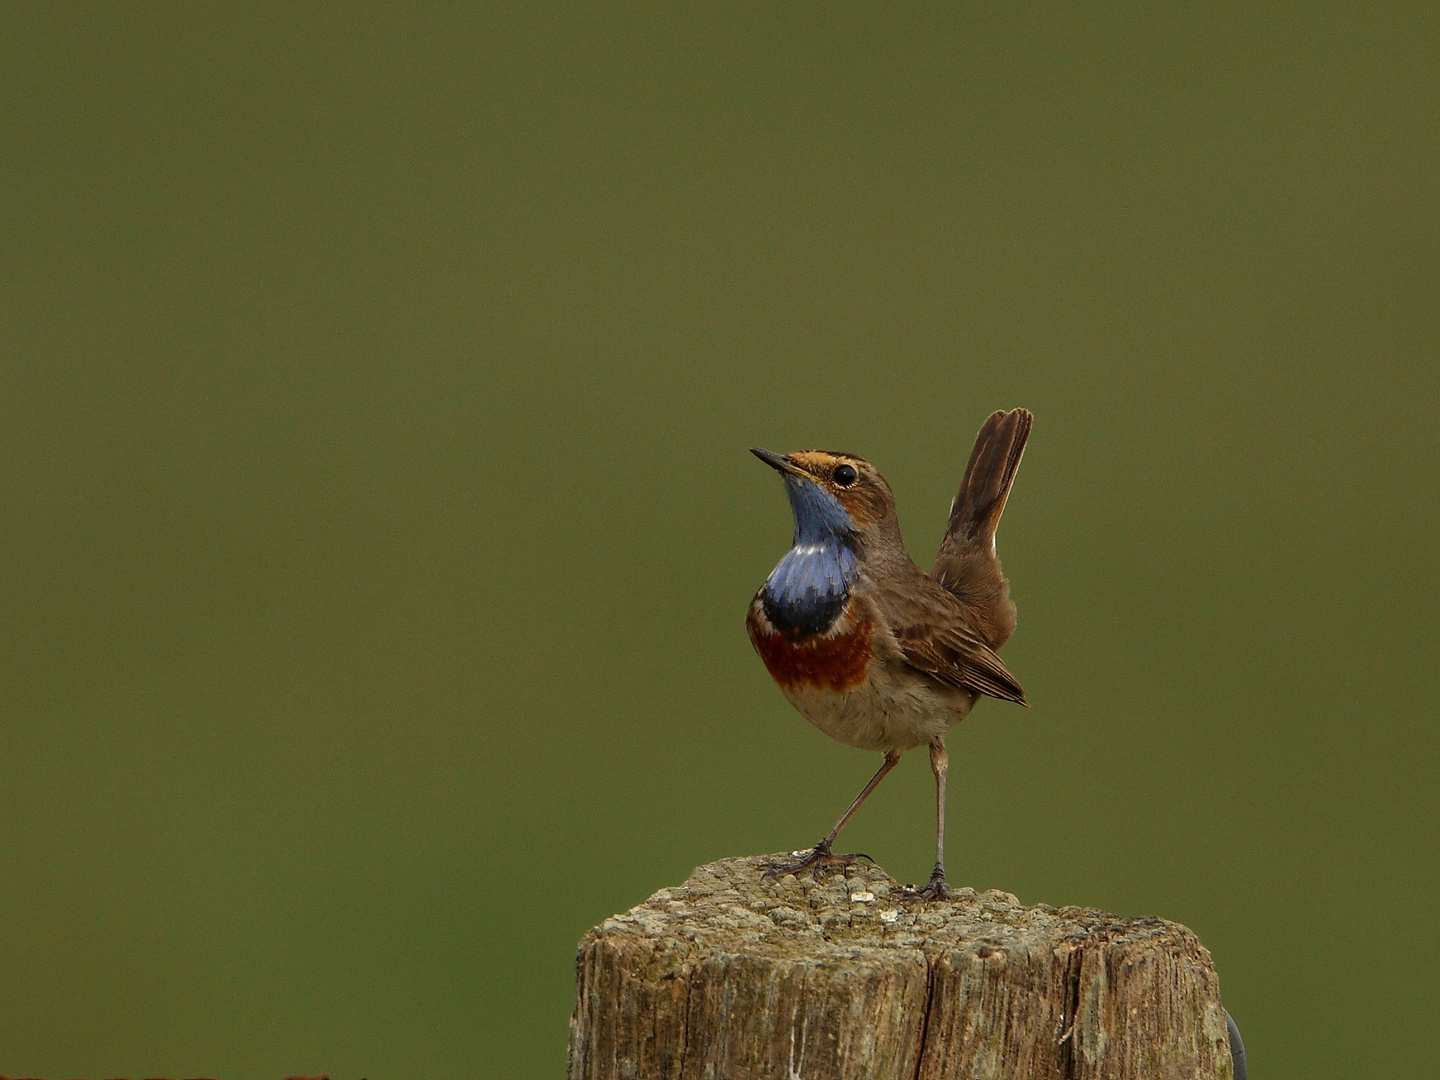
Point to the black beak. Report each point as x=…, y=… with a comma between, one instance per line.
x=780, y=463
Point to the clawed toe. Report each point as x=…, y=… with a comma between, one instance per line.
x=816, y=860
x=936, y=890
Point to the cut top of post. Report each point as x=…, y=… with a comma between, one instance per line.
x=734, y=975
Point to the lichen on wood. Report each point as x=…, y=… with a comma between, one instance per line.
x=733, y=977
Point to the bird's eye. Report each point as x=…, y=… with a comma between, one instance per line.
x=844, y=476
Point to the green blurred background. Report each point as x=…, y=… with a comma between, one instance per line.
x=376, y=527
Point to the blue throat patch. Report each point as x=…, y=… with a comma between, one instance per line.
x=808, y=588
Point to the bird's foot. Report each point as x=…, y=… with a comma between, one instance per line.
x=816, y=860
x=936, y=890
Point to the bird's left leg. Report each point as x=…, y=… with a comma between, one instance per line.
x=820, y=856
x=937, y=889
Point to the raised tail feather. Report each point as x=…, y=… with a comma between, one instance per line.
x=966, y=563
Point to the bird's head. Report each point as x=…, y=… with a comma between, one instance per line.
x=835, y=495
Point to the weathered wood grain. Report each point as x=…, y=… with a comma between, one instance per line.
x=730, y=977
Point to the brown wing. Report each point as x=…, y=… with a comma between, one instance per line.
x=934, y=637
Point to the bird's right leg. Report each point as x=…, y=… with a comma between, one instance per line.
x=937, y=889
x=820, y=856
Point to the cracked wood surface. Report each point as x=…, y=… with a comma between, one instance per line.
x=730, y=977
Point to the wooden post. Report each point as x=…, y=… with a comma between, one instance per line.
x=730, y=977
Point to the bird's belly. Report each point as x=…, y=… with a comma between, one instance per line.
x=887, y=711
x=838, y=683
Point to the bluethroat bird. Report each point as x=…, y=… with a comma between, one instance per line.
x=871, y=650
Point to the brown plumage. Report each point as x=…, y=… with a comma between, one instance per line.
x=946, y=639
x=966, y=563
x=932, y=638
